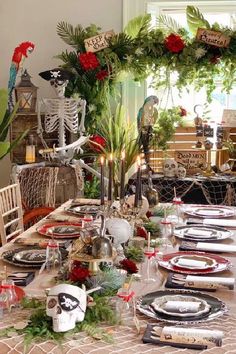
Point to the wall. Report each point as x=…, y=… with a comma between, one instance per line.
x=36, y=21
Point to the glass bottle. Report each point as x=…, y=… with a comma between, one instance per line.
x=53, y=256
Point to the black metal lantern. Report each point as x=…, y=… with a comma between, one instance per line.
x=26, y=94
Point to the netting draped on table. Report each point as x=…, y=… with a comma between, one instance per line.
x=193, y=190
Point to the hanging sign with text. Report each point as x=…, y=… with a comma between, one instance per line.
x=215, y=38
x=96, y=43
x=192, y=160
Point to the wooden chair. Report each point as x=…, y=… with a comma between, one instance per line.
x=11, y=214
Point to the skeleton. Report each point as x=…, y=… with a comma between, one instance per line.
x=170, y=168
x=181, y=172
x=61, y=114
x=66, y=304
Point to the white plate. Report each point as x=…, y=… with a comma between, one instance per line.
x=206, y=262
x=159, y=305
x=210, y=211
x=191, y=233
x=31, y=256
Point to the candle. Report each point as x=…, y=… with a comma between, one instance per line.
x=138, y=182
x=102, y=180
x=122, y=176
x=149, y=240
x=110, y=163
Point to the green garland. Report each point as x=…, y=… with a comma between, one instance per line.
x=141, y=51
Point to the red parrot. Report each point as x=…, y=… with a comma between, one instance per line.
x=20, y=53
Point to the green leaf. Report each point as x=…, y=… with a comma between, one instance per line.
x=6, y=122
x=167, y=23
x=138, y=25
x=3, y=103
x=4, y=148
x=195, y=19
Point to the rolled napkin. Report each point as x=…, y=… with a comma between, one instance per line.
x=185, y=262
x=217, y=247
x=191, y=335
x=199, y=233
x=182, y=306
x=220, y=222
x=209, y=282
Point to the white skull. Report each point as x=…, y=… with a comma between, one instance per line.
x=129, y=204
x=59, y=86
x=181, y=172
x=66, y=304
x=170, y=168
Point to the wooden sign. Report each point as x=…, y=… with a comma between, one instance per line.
x=229, y=118
x=96, y=43
x=192, y=160
x=215, y=38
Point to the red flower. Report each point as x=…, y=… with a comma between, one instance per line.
x=174, y=43
x=78, y=274
x=141, y=232
x=129, y=265
x=183, y=111
x=101, y=75
x=97, y=142
x=88, y=61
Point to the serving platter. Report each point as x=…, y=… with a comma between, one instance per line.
x=219, y=263
x=21, y=256
x=215, y=306
x=61, y=229
x=208, y=211
x=202, y=233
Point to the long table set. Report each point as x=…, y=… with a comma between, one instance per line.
x=180, y=300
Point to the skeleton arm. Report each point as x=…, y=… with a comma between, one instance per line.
x=75, y=146
x=83, y=111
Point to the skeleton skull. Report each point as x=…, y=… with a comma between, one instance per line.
x=59, y=86
x=129, y=204
x=181, y=172
x=66, y=304
x=170, y=168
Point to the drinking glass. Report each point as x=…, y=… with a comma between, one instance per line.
x=149, y=253
x=53, y=256
x=8, y=294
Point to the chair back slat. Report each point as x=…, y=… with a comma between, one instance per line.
x=11, y=214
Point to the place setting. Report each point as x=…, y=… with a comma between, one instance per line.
x=202, y=233
x=58, y=230
x=209, y=211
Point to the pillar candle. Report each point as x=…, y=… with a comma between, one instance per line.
x=138, y=180
x=122, y=176
x=110, y=181
x=102, y=180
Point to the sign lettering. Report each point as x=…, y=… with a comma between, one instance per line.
x=215, y=38
x=96, y=43
x=191, y=160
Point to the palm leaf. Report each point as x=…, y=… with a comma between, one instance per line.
x=167, y=23
x=73, y=36
x=6, y=122
x=3, y=103
x=195, y=19
x=138, y=25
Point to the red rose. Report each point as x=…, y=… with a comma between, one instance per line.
x=97, y=142
x=129, y=265
x=78, y=274
x=101, y=75
x=174, y=43
x=88, y=61
x=183, y=111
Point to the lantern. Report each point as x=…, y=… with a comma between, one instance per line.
x=26, y=94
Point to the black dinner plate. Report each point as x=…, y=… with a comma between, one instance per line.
x=217, y=307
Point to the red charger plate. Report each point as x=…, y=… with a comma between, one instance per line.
x=43, y=230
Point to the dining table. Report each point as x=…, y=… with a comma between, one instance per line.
x=126, y=338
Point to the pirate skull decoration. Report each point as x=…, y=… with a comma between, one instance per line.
x=170, y=168
x=129, y=204
x=181, y=172
x=66, y=304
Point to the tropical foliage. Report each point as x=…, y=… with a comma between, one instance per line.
x=142, y=50
x=6, y=119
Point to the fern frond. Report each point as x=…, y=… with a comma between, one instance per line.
x=167, y=24
x=195, y=19
x=138, y=25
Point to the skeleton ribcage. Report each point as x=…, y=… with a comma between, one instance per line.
x=61, y=109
